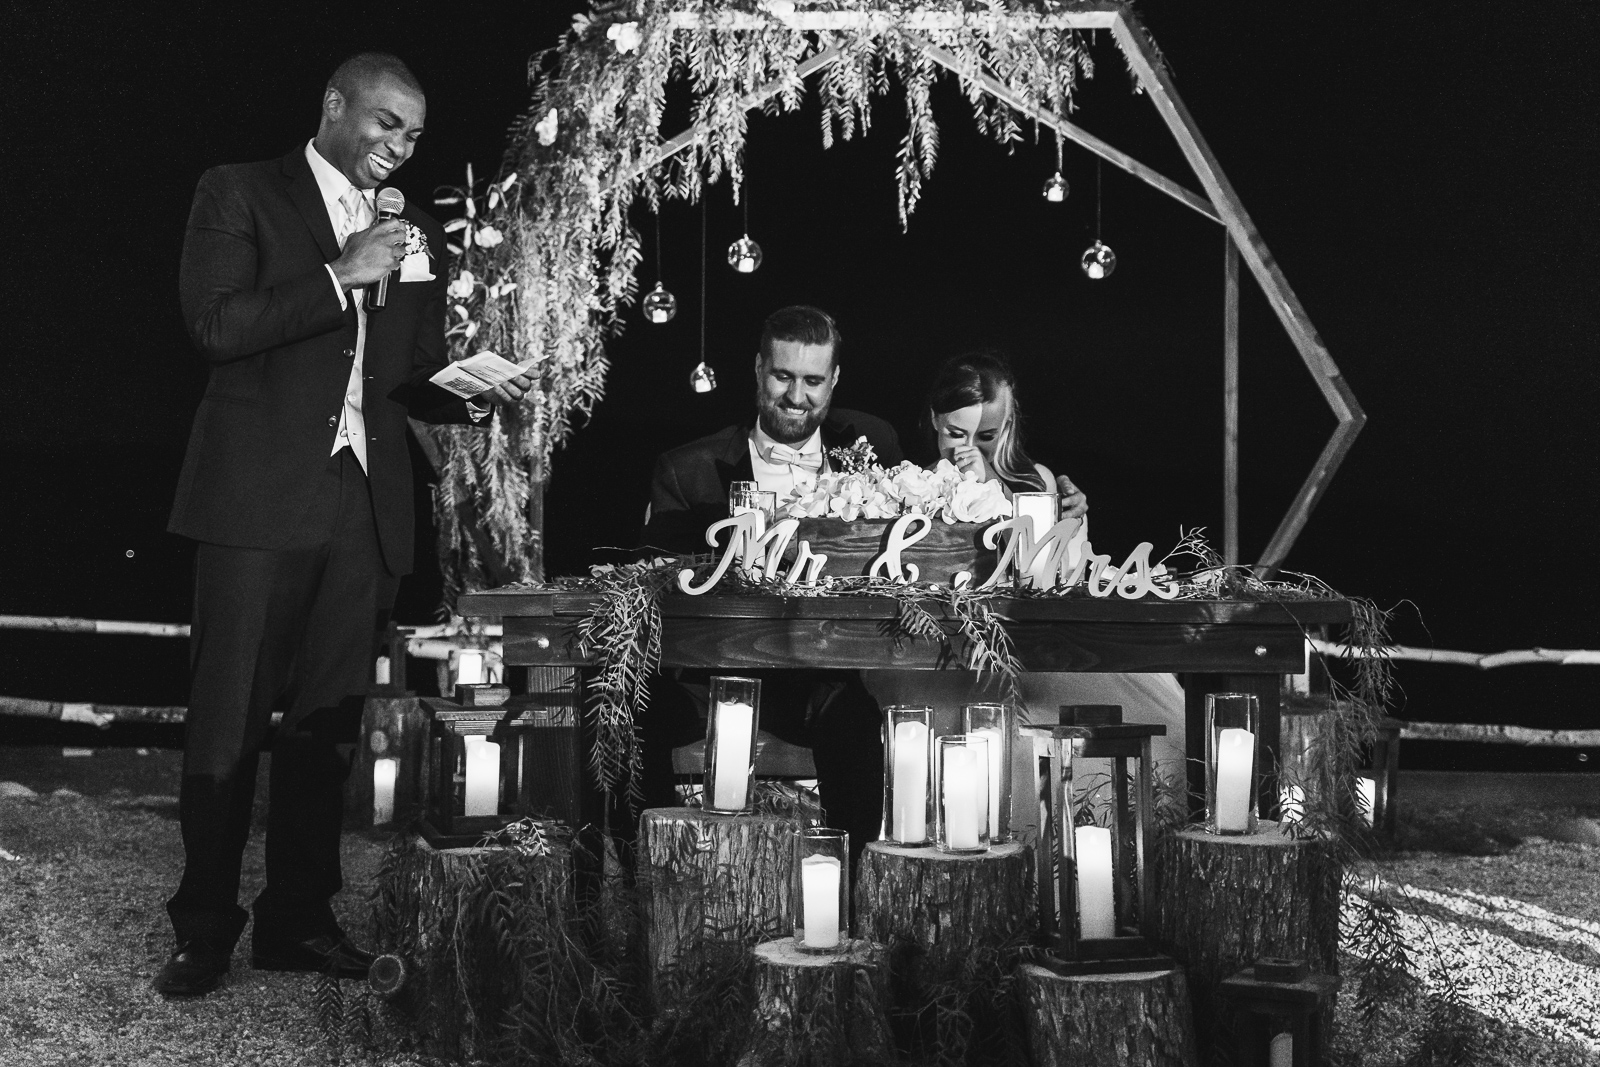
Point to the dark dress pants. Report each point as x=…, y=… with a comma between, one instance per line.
x=292, y=629
x=829, y=710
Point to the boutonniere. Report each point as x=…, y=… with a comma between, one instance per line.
x=416, y=240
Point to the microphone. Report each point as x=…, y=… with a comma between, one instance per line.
x=391, y=202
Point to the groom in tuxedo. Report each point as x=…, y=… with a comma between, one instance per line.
x=796, y=367
x=297, y=487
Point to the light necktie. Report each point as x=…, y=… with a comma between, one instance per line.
x=355, y=213
x=352, y=421
x=811, y=461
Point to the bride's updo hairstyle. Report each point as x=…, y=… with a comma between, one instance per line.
x=983, y=377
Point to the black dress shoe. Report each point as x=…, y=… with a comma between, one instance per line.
x=322, y=953
x=193, y=971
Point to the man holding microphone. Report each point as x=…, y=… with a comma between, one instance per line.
x=297, y=486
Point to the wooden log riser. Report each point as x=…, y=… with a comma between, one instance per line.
x=820, y=1010
x=1224, y=902
x=706, y=882
x=1141, y=1019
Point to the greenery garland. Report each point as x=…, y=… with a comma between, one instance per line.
x=546, y=253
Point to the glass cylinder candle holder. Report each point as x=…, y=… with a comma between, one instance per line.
x=907, y=758
x=1233, y=723
x=821, y=892
x=996, y=723
x=961, y=783
x=731, y=745
x=1043, y=509
x=738, y=495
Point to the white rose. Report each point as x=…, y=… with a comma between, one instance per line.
x=625, y=35
x=488, y=237
x=967, y=502
x=546, y=128
x=461, y=285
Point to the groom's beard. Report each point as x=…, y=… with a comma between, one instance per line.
x=786, y=425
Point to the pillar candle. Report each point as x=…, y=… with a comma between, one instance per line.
x=1280, y=1053
x=483, y=777
x=735, y=725
x=1235, y=764
x=380, y=672
x=383, y=775
x=910, y=821
x=469, y=667
x=962, y=782
x=995, y=754
x=1366, y=798
x=1097, y=916
x=819, y=891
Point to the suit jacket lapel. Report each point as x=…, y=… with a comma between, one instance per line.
x=307, y=197
x=733, y=463
x=837, y=435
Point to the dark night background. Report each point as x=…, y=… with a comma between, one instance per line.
x=1426, y=178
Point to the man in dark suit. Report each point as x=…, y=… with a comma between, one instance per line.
x=297, y=486
x=797, y=367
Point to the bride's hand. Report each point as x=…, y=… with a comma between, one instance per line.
x=968, y=458
x=1074, y=505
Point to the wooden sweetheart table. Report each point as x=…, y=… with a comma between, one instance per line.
x=1215, y=645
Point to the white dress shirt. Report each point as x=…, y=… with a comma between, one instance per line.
x=780, y=477
x=335, y=188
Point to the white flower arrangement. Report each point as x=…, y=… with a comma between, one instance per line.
x=945, y=493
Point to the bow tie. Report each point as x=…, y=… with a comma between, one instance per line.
x=811, y=461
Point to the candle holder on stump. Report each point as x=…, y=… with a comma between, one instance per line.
x=1094, y=890
x=1384, y=774
x=907, y=767
x=1233, y=724
x=1102, y=993
x=479, y=761
x=961, y=789
x=1280, y=1012
x=996, y=723
x=730, y=768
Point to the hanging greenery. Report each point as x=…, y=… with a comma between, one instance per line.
x=546, y=255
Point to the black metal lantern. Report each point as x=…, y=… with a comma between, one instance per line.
x=1281, y=1013
x=1095, y=895
x=479, y=764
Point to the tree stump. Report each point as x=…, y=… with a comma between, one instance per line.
x=1222, y=902
x=952, y=924
x=948, y=903
x=819, y=1010
x=490, y=939
x=1141, y=1018
x=711, y=886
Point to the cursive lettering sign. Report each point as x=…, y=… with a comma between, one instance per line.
x=888, y=565
x=1062, y=559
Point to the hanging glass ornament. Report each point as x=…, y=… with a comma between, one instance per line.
x=703, y=379
x=1099, y=261
x=1055, y=190
x=744, y=255
x=659, y=305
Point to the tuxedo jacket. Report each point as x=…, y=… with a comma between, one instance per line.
x=264, y=315
x=689, y=488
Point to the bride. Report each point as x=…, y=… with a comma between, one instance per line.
x=973, y=415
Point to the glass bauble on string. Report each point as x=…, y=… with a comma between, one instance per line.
x=703, y=379
x=1099, y=261
x=1055, y=190
x=744, y=255
x=659, y=305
